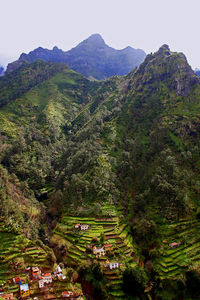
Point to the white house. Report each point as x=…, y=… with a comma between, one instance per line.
x=98, y=251
x=113, y=265
x=84, y=227
x=41, y=283
x=58, y=270
x=60, y=276
x=46, y=278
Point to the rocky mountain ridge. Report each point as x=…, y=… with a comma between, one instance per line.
x=92, y=58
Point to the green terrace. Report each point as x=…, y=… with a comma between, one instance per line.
x=171, y=262
x=16, y=253
x=102, y=230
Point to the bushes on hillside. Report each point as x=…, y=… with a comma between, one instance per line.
x=134, y=281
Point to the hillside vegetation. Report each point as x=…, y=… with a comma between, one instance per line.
x=125, y=150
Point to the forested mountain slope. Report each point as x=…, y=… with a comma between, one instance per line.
x=76, y=146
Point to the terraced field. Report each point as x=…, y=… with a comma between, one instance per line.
x=113, y=231
x=16, y=253
x=173, y=262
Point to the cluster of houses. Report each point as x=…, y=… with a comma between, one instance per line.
x=81, y=226
x=46, y=278
x=43, y=280
x=101, y=251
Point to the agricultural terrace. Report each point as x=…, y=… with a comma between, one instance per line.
x=101, y=231
x=173, y=261
x=17, y=252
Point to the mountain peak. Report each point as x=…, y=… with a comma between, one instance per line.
x=164, y=50
x=95, y=39
x=169, y=67
x=55, y=48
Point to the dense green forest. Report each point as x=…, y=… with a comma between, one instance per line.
x=73, y=146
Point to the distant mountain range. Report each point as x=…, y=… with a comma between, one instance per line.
x=92, y=58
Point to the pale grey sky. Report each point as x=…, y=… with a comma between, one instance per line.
x=145, y=24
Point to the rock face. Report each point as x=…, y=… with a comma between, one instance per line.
x=166, y=67
x=92, y=58
x=1, y=70
x=197, y=71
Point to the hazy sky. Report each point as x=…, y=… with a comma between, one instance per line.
x=145, y=24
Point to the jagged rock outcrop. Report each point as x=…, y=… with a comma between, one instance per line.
x=165, y=66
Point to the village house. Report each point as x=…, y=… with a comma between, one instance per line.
x=46, y=279
x=76, y=226
x=36, y=273
x=67, y=294
x=98, y=252
x=28, y=269
x=111, y=265
x=84, y=227
x=7, y=296
x=174, y=245
x=24, y=290
x=60, y=276
x=58, y=273
x=108, y=247
x=58, y=270
x=16, y=280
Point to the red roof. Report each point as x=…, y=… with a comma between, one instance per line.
x=107, y=245
x=16, y=279
x=67, y=294
x=47, y=275
x=7, y=296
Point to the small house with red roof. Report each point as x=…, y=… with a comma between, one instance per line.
x=108, y=247
x=7, y=296
x=36, y=273
x=98, y=252
x=111, y=265
x=44, y=280
x=84, y=227
x=174, y=245
x=16, y=280
x=67, y=294
x=47, y=277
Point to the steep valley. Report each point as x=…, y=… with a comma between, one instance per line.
x=120, y=157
